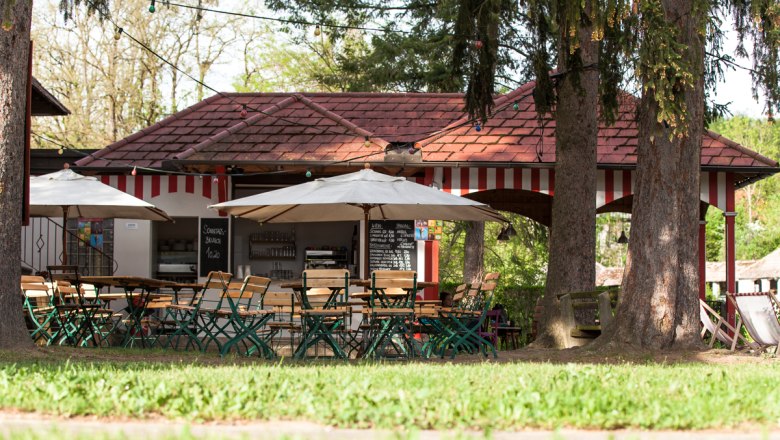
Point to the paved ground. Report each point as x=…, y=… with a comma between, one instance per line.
x=24, y=424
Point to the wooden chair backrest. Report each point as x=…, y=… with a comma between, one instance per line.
x=460, y=292
x=491, y=276
x=36, y=291
x=326, y=278
x=217, y=280
x=394, y=279
x=279, y=299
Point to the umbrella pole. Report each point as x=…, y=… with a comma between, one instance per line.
x=65, y=235
x=365, y=242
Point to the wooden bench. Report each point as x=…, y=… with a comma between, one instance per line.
x=584, y=313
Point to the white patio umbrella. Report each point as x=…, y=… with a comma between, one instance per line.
x=363, y=195
x=66, y=193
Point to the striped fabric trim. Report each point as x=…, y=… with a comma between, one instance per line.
x=611, y=185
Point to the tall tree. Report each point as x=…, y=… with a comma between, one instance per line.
x=658, y=306
x=14, y=53
x=573, y=93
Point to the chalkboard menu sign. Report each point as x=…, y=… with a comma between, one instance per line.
x=391, y=245
x=213, y=245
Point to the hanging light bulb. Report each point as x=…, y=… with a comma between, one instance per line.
x=515, y=106
x=479, y=44
x=60, y=151
x=308, y=174
x=367, y=143
x=118, y=33
x=152, y=8
x=134, y=172
x=244, y=111
x=478, y=127
x=215, y=180
x=317, y=31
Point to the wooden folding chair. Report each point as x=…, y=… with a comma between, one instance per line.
x=391, y=314
x=321, y=314
x=39, y=308
x=285, y=321
x=721, y=330
x=186, y=316
x=244, y=320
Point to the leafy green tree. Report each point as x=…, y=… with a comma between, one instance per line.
x=757, y=230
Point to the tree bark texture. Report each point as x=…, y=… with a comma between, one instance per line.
x=572, y=258
x=474, y=252
x=14, y=52
x=658, y=307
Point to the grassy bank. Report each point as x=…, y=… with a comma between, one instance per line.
x=438, y=396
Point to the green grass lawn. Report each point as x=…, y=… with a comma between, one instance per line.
x=412, y=395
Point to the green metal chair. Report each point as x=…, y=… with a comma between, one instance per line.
x=285, y=323
x=39, y=308
x=463, y=325
x=185, y=316
x=322, y=315
x=242, y=320
x=391, y=314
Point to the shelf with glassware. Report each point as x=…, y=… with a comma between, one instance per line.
x=333, y=258
x=272, y=245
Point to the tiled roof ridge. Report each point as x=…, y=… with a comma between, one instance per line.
x=742, y=149
x=501, y=100
x=347, y=94
x=238, y=126
x=143, y=132
x=335, y=117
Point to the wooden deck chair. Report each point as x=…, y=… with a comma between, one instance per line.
x=719, y=329
x=758, y=311
x=38, y=308
x=322, y=319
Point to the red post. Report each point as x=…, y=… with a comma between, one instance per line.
x=731, y=252
x=431, y=268
x=702, y=259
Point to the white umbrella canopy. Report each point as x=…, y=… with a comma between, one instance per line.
x=352, y=196
x=65, y=193
x=363, y=195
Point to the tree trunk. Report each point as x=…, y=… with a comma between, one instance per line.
x=572, y=263
x=658, y=307
x=474, y=252
x=14, y=53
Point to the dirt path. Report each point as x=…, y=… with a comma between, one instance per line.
x=23, y=424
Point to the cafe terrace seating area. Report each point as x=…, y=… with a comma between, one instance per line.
x=325, y=314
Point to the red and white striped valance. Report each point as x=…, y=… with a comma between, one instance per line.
x=149, y=187
x=611, y=185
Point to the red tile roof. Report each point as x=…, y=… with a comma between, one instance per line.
x=333, y=127
x=521, y=136
x=388, y=117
